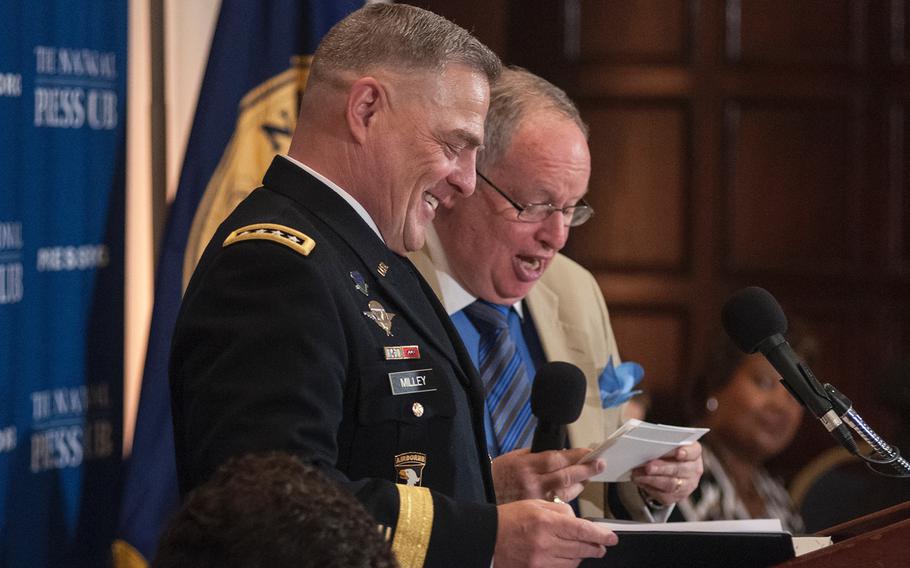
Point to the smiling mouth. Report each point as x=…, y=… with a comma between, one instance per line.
x=431, y=201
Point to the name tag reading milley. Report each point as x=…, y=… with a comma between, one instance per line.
x=409, y=382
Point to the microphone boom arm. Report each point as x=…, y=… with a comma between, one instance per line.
x=755, y=322
x=890, y=456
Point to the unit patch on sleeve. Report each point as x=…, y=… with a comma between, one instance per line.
x=410, y=468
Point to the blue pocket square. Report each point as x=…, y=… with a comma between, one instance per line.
x=617, y=381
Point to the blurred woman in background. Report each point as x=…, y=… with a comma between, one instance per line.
x=752, y=418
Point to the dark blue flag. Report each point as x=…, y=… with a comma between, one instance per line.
x=246, y=113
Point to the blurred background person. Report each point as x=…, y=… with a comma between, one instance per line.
x=752, y=418
x=637, y=407
x=272, y=511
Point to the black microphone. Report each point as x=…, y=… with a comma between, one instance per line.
x=755, y=322
x=557, y=397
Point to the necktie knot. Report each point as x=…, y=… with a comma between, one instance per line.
x=488, y=317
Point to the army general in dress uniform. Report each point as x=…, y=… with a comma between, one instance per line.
x=304, y=330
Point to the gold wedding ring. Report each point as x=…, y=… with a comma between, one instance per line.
x=678, y=484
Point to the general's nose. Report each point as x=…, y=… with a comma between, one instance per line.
x=464, y=176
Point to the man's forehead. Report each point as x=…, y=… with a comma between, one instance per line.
x=534, y=182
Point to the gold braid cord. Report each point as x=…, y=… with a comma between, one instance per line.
x=415, y=525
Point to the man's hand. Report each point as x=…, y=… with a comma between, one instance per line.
x=540, y=533
x=673, y=477
x=520, y=474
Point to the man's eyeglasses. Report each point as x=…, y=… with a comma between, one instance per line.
x=574, y=215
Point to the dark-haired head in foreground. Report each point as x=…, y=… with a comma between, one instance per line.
x=272, y=511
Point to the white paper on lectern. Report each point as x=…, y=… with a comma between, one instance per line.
x=811, y=543
x=636, y=443
x=730, y=526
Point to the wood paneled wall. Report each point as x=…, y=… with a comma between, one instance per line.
x=735, y=143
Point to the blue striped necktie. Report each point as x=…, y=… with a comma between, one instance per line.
x=507, y=387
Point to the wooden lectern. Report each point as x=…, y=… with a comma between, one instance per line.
x=878, y=539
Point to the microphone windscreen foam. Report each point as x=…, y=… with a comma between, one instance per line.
x=558, y=394
x=752, y=315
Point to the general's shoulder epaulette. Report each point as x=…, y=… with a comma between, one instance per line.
x=280, y=234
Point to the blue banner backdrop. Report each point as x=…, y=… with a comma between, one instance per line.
x=246, y=113
x=62, y=106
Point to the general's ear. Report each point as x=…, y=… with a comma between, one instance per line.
x=366, y=98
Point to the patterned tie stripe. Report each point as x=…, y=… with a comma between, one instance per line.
x=506, y=384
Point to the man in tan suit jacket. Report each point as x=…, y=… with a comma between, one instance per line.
x=503, y=248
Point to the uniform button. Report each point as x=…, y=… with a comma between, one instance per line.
x=417, y=409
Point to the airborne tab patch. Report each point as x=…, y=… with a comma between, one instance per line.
x=410, y=466
x=294, y=240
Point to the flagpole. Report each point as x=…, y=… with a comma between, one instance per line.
x=159, y=126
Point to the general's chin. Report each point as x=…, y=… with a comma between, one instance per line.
x=414, y=240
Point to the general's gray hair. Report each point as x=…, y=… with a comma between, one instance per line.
x=402, y=37
x=515, y=95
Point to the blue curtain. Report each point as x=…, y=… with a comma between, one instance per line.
x=62, y=106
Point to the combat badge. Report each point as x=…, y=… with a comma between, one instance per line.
x=410, y=468
x=360, y=283
x=382, y=318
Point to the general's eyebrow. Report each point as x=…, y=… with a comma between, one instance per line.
x=470, y=138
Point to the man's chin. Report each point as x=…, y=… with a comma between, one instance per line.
x=412, y=243
x=514, y=293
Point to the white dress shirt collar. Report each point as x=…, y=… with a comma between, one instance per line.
x=342, y=193
x=454, y=296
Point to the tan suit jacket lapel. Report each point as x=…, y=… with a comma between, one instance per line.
x=560, y=340
x=424, y=264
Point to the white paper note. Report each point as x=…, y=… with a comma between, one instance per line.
x=636, y=443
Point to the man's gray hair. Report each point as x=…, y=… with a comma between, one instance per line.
x=516, y=95
x=399, y=37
